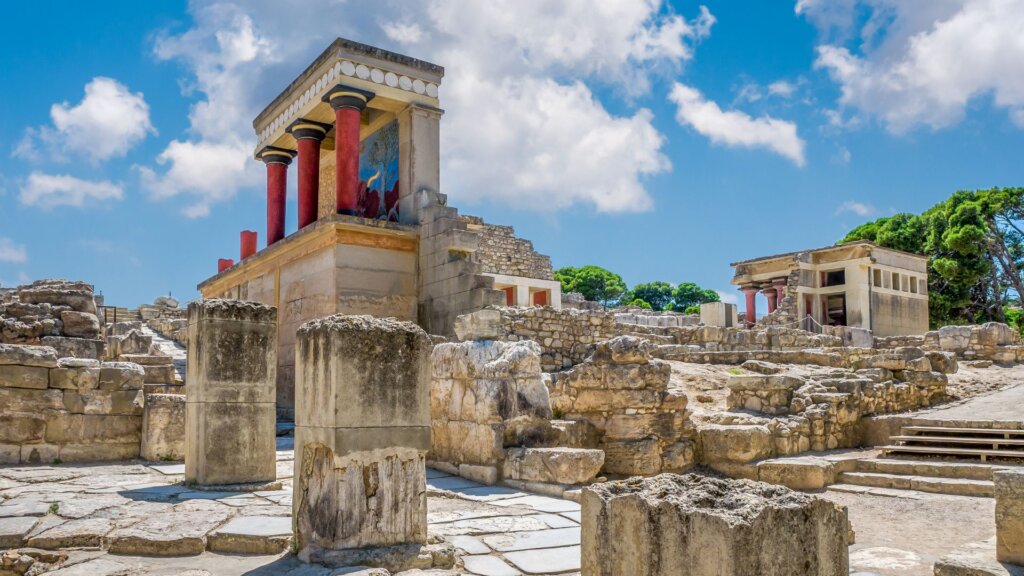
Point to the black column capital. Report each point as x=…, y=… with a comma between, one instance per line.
x=275, y=155
x=342, y=96
x=303, y=129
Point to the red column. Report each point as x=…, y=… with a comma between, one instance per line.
x=248, y=242
x=769, y=294
x=751, y=293
x=308, y=135
x=780, y=290
x=348, y=104
x=223, y=264
x=277, y=161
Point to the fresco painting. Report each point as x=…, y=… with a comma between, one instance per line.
x=378, y=174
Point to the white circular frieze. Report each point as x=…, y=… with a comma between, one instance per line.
x=418, y=86
x=362, y=72
x=377, y=75
x=432, y=90
x=404, y=83
x=391, y=79
x=348, y=68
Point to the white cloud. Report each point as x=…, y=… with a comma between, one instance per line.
x=736, y=128
x=52, y=190
x=729, y=297
x=108, y=122
x=11, y=252
x=854, y=207
x=515, y=92
x=923, y=63
x=782, y=88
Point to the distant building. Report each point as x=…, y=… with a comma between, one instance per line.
x=858, y=284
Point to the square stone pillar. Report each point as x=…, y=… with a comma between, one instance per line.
x=419, y=157
x=362, y=431
x=230, y=431
x=1009, y=491
x=702, y=526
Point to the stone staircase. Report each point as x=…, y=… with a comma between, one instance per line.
x=942, y=459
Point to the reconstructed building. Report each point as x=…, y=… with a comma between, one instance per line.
x=858, y=284
x=375, y=234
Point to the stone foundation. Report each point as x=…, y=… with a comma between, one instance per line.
x=163, y=427
x=1009, y=491
x=702, y=526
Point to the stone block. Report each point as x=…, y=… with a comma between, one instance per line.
x=41, y=356
x=944, y=362
x=632, y=457
x=553, y=465
x=66, y=347
x=21, y=428
x=743, y=443
x=80, y=324
x=159, y=374
x=797, y=473
x=39, y=453
x=121, y=376
x=163, y=427
x=230, y=442
x=480, y=325
x=125, y=402
x=81, y=374
x=232, y=351
x=14, y=376
x=29, y=400
x=100, y=452
x=701, y=526
x=1009, y=492
x=64, y=428
x=483, y=474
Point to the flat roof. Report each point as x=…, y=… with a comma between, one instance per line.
x=354, y=48
x=826, y=248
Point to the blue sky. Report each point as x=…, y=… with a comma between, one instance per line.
x=724, y=130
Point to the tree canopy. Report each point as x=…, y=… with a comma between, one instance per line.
x=600, y=285
x=595, y=283
x=975, y=246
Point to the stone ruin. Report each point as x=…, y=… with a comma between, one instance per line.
x=702, y=526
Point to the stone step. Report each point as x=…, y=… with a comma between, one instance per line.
x=963, y=470
x=1007, y=433
x=983, y=453
x=970, y=440
x=953, y=486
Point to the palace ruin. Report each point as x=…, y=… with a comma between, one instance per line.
x=400, y=388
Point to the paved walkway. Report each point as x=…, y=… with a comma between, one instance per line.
x=1003, y=405
x=170, y=348
x=134, y=508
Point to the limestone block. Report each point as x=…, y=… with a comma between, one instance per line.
x=29, y=400
x=1009, y=492
x=797, y=473
x=701, y=526
x=66, y=428
x=76, y=347
x=362, y=434
x=632, y=457
x=483, y=474
x=13, y=376
x=75, y=298
x=623, y=350
x=21, y=428
x=121, y=376
x=163, y=427
x=944, y=362
x=159, y=374
x=678, y=457
x=762, y=367
x=954, y=338
x=553, y=465
x=480, y=325
x=124, y=402
x=232, y=351
x=81, y=374
x=742, y=443
x=80, y=324
x=230, y=442
x=41, y=356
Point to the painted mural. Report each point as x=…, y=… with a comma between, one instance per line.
x=378, y=174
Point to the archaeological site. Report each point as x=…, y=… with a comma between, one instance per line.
x=401, y=388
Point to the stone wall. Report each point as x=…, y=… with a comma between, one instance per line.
x=990, y=341
x=55, y=313
x=566, y=336
x=67, y=409
x=499, y=251
x=623, y=393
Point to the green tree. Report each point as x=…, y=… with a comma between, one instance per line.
x=658, y=294
x=595, y=283
x=640, y=303
x=689, y=294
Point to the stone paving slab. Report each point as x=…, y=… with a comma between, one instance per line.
x=533, y=540
x=14, y=530
x=542, y=503
x=486, y=565
x=546, y=561
x=253, y=535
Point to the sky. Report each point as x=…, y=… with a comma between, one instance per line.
x=659, y=139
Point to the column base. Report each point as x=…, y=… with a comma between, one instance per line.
x=398, y=558
x=247, y=487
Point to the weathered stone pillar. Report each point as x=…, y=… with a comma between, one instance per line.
x=362, y=416
x=348, y=104
x=229, y=407
x=701, y=526
x=1009, y=491
x=308, y=135
x=750, y=292
x=277, y=161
